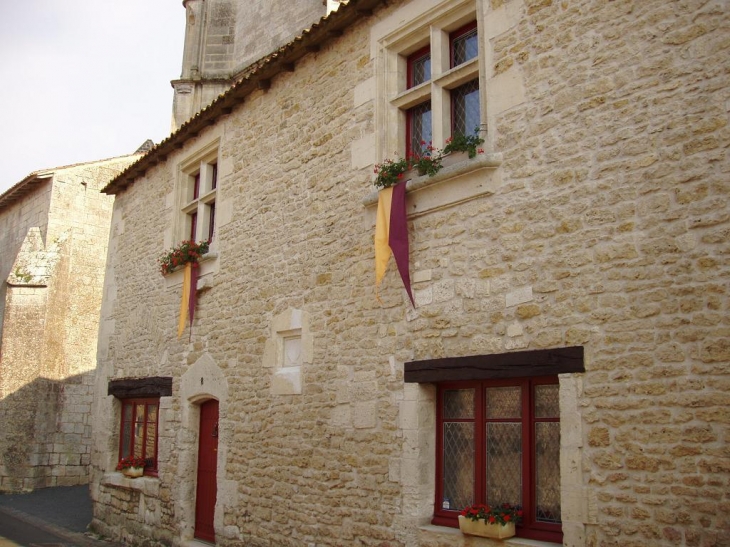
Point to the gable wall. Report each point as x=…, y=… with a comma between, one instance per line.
x=54, y=267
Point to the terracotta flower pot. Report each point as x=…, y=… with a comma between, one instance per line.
x=133, y=472
x=485, y=529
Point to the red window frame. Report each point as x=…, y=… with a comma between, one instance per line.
x=413, y=58
x=529, y=528
x=211, y=222
x=455, y=35
x=409, y=129
x=193, y=225
x=137, y=447
x=196, y=185
x=468, y=131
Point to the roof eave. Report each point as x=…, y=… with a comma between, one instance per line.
x=257, y=76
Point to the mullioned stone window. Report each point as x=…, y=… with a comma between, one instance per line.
x=197, y=195
x=428, y=87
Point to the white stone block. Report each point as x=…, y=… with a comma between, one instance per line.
x=519, y=296
x=287, y=381
x=364, y=415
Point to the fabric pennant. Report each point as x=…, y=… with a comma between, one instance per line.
x=184, y=300
x=193, y=296
x=382, y=248
x=398, y=236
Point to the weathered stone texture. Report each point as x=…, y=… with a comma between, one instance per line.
x=608, y=231
x=52, y=252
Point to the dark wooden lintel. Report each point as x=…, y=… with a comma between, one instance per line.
x=312, y=48
x=154, y=386
x=335, y=32
x=287, y=67
x=517, y=364
x=264, y=84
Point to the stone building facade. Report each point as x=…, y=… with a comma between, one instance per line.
x=584, y=249
x=54, y=228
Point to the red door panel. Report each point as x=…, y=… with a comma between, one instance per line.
x=206, y=490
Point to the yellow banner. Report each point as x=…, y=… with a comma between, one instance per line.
x=184, y=300
x=382, y=227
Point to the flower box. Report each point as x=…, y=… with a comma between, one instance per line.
x=485, y=529
x=133, y=472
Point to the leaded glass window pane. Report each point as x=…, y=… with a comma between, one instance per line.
x=504, y=463
x=420, y=70
x=459, y=464
x=126, y=438
x=465, y=47
x=504, y=402
x=547, y=403
x=420, y=126
x=458, y=403
x=466, y=109
x=152, y=413
x=547, y=465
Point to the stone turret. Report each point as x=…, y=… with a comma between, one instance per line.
x=223, y=37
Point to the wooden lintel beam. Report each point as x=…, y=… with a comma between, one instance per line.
x=287, y=67
x=517, y=364
x=264, y=84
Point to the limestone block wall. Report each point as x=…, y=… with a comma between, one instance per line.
x=607, y=228
x=15, y=221
x=54, y=267
x=262, y=27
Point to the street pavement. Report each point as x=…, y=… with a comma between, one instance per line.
x=48, y=517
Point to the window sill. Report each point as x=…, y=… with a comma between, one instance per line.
x=146, y=484
x=208, y=265
x=462, y=179
x=432, y=532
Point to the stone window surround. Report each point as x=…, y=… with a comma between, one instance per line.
x=290, y=326
x=202, y=162
x=392, y=40
x=176, y=231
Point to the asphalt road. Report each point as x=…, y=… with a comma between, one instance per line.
x=49, y=517
x=14, y=531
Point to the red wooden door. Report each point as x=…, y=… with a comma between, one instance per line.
x=206, y=490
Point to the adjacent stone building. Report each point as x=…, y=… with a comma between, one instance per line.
x=54, y=227
x=568, y=348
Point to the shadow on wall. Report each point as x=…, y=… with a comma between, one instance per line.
x=46, y=434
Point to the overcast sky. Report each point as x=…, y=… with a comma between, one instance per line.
x=83, y=80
